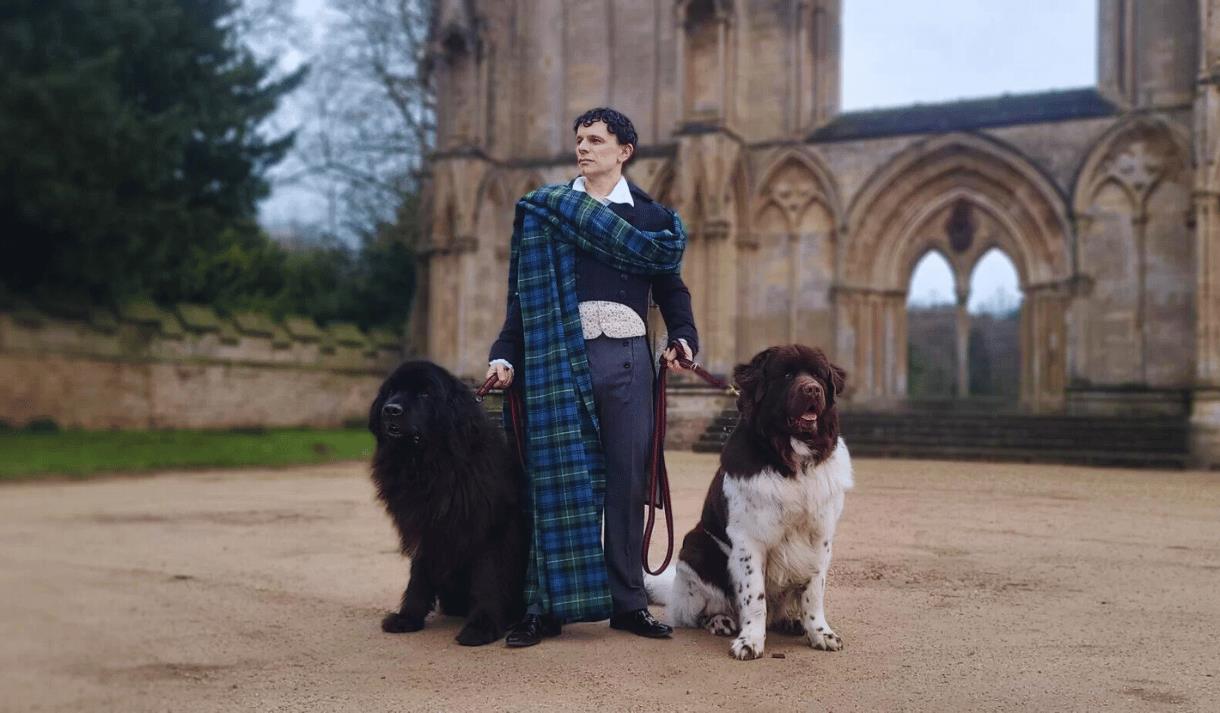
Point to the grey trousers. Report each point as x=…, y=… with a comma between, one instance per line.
x=622, y=389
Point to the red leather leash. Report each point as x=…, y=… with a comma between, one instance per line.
x=512, y=401
x=658, y=475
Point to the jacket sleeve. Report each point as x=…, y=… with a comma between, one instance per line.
x=672, y=296
x=510, y=345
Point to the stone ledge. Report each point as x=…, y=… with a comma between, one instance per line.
x=198, y=318
x=181, y=320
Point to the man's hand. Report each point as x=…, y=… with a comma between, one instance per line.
x=671, y=355
x=503, y=374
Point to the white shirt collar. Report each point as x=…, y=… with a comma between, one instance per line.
x=619, y=194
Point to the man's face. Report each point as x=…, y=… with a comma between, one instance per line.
x=598, y=151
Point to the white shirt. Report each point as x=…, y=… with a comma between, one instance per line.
x=619, y=194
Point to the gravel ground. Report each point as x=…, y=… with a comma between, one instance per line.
x=956, y=586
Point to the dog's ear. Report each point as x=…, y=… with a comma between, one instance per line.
x=751, y=382
x=838, y=382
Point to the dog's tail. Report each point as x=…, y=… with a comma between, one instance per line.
x=659, y=586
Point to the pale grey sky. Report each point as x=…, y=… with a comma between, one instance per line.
x=899, y=52
x=895, y=52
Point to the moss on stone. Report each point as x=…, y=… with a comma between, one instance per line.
x=385, y=339
x=303, y=329
x=141, y=311
x=348, y=335
x=103, y=320
x=197, y=318
x=280, y=338
x=254, y=324
x=171, y=327
x=228, y=332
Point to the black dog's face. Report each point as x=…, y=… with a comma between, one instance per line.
x=789, y=389
x=406, y=408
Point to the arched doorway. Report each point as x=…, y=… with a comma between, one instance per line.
x=964, y=336
x=993, y=360
x=932, y=362
x=961, y=195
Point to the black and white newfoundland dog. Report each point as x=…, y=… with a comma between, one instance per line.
x=452, y=485
x=759, y=556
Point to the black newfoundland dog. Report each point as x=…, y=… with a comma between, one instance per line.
x=452, y=485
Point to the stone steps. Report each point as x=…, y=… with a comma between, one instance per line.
x=1112, y=441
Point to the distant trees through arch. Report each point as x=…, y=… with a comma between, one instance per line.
x=963, y=333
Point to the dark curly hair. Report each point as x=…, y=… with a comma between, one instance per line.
x=616, y=123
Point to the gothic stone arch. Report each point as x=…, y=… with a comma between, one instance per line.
x=906, y=209
x=795, y=212
x=1135, y=313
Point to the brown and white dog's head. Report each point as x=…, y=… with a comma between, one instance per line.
x=789, y=392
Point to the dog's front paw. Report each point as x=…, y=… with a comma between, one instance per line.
x=720, y=625
x=399, y=623
x=824, y=638
x=477, y=634
x=745, y=648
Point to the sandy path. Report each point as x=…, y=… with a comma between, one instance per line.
x=957, y=586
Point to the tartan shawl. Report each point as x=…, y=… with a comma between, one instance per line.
x=565, y=464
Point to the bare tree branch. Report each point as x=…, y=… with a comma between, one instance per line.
x=368, y=121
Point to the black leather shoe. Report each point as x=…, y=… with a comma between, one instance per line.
x=641, y=622
x=532, y=629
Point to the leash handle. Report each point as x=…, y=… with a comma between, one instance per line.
x=484, y=389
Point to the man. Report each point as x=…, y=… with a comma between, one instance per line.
x=613, y=304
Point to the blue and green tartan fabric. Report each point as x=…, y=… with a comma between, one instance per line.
x=566, y=467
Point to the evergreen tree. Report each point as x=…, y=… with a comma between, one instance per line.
x=131, y=160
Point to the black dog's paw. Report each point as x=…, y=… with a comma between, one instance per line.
x=398, y=623
x=477, y=634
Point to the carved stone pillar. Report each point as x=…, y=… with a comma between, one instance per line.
x=1043, y=341
x=872, y=344
x=962, y=343
x=720, y=316
x=450, y=259
x=706, y=190
x=1205, y=409
x=470, y=353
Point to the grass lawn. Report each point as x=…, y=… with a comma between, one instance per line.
x=81, y=453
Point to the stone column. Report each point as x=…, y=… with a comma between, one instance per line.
x=721, y=298
x=1042, y=346
x=1205, y=408
x=962, y=340
x=895, y=361
x=442, y=297
x=469, y=358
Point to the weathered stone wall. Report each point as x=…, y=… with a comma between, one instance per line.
x=186, y=367
x=805, y=223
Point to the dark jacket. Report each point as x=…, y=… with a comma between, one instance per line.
x=598, y=281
